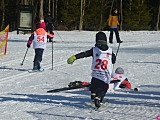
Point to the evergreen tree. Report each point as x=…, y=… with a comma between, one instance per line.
x=136, y=16
x=96, y=15
x=69, y=13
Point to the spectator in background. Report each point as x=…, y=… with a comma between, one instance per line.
x=49, y=25
x=113, y=24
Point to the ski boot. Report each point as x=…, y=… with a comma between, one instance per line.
x=97, y=102
x=35, y=69
x=41, y=69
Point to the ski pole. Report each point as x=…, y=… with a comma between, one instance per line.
x=116, y=54
x=118, y=49
x=52, y=54
x=58, y=34
x=24, y=57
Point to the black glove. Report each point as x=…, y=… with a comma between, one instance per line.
x=28, y=45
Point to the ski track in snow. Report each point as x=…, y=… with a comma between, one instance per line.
x=24, y=97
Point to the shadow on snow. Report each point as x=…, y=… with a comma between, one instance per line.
x=9, y=68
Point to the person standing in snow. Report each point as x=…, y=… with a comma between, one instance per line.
x=103, y=58
x=119, y=80
x=113, y=24
x=49, y=25
x=39, y=39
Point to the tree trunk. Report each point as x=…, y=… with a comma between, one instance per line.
x=121, y=16
x=27, y=2
x=56, y=11
x=101, y=19
x=82, y=15
x=53, y=10
x=24, y=2
x=158, y=18
x=49, y=6
x=111, y=7
x=3, y=13
x=41, y=10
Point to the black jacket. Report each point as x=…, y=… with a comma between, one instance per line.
x=89, y=53
x=48, y=20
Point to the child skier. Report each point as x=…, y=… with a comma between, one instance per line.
x=39, y=39
x=119, y=80
x=103, y=58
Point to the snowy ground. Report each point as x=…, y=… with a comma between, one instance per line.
x=23, y=95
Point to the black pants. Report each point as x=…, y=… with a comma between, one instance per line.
x=49, y=28
x=38, y=58
x=99, y=88
x=111, y=35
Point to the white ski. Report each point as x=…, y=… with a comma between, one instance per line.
x=32, y=71
x=92, y=107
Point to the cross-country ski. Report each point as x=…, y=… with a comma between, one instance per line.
x=71, y=86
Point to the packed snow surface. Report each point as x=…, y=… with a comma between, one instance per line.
x=23, y=95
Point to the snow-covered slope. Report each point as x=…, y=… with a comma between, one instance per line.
x=23, y=95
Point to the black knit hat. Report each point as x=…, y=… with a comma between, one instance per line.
x=101, y=38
